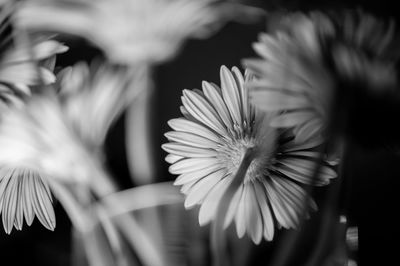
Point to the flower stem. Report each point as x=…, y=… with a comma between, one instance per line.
x=139, y=240
x=220, y=256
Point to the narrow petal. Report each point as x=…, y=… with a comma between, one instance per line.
x=10, y=204
x=211, y=202
x=268, y=230
x=19, y=214
x=240, y=216
x=203, y=187
x=200, y=109
x=230, y=93
x=253, y=215
x=188, y=151
x=281, y=212
x=214, y=96
x=182, y=124
x=232, y=208
x=25, y=198
x=244, y=94
x=191, y=139
x=171, y=158
x=195, y=175
x=42, y=204
x=191, y=165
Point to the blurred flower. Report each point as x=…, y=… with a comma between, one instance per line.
x=132, y=30
x=209, y=144
x=93, y=98
x=26, y=64
x=24, y=192
x=38, y=136
x=313, y=63
x=58, y=135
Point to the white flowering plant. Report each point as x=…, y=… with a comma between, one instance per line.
x=250, y=151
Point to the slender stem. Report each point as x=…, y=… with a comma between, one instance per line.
x=217, y=231
x=329, y=219
x=140, y=241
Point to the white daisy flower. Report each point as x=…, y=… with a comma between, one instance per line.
x=310, y=59
x=24, y=190
x=59, y=138
x=24, y=193
x=212, y=140
x=130, y=30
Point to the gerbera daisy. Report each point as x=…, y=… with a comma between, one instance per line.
x=131, y=30
x=24, y=193
x=93, y=97
x=60, y=137
x=220, y=129
x=311, y=62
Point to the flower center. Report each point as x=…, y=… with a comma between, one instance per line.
x=233, y=152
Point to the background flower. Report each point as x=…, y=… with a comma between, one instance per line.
x=132, y=30
x=313, y=63
x=93, y=97
x=210, y=143
x=24, y=191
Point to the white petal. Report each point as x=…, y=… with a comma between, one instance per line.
x=10, y=204
x=182, y=124
x=26, y=199
x=230, y=93
x=202, y=188
x=268, y=222
x=188, y=151
x=214, y=96
x=253, y=215
x=191, y=139
x=194, y=175
x=244, y=94
x=211, y=202
x=240, y=216
x=200, y=109
x=171, y=158
x=278, y=206
x=232, y=208
x=42, y=204
x=191, y=165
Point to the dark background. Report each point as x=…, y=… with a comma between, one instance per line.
x=372, y=194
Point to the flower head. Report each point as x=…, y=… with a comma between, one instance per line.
x=53, y=138
x=129, y=30
x=24, y=193
x=93, y=97
x=311, y=61
x=24, y=65
x=209, y=144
